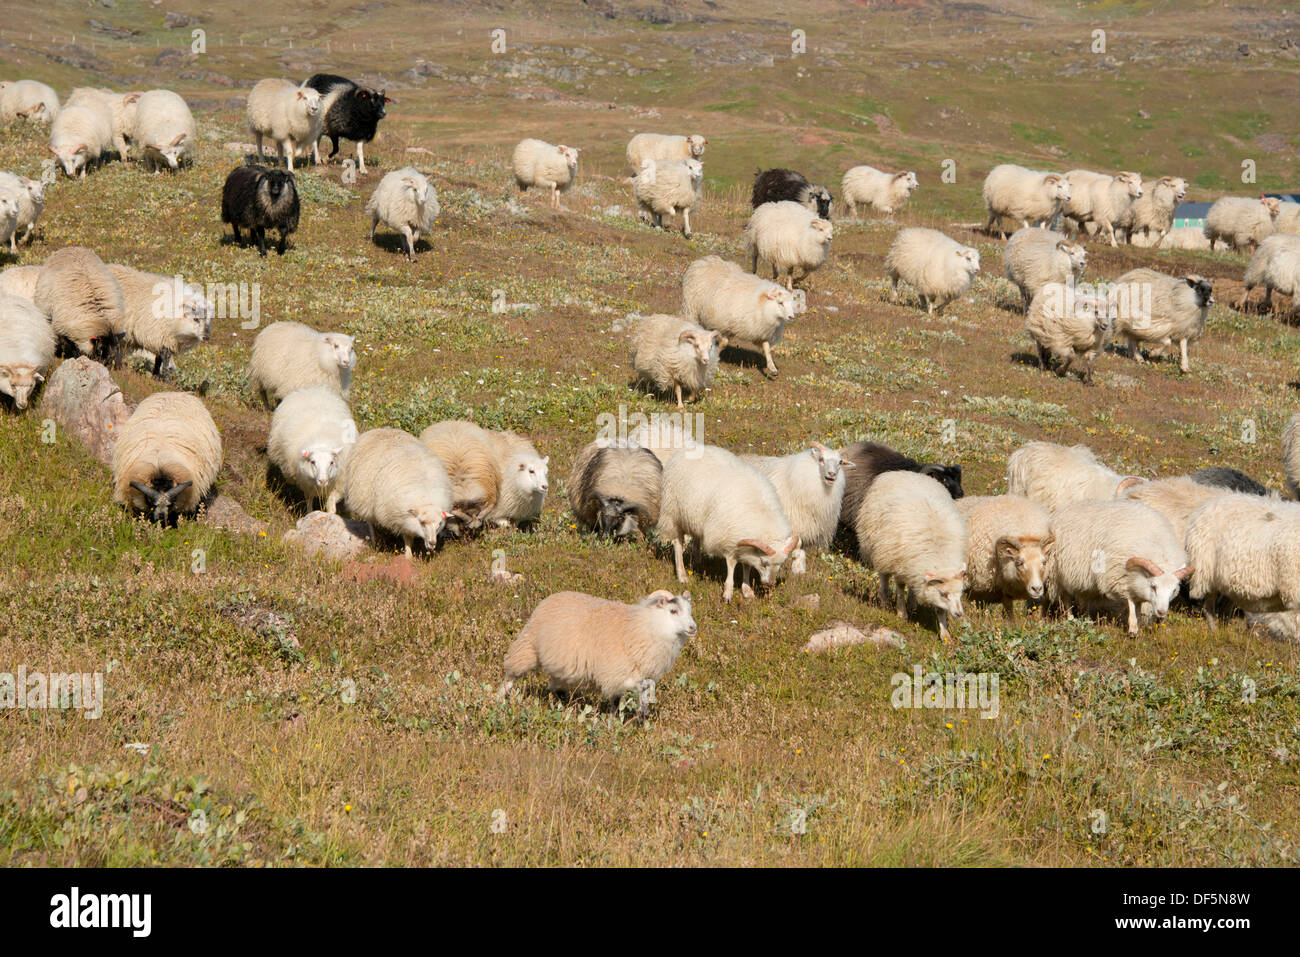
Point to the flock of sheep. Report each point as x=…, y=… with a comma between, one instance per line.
x=1069, y=532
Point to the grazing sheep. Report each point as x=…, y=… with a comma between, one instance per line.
x=731, y=509
x=1100, y=199
x=82, y=300
x=20, y=281
x=8, y=220
x=1009, y=540
x=671, y=354
x=810, y=485
x=164, y=130
x=871, y=459
x=1230, y=479
x=311, y=433
x=289, y=114
x=405, y=202
x=667, y=189
x=1024, y=196
x=163, y=315
x=1245, y=549
x=259, y=199
x=167, y=457
x=790, y=238
x=1112, y=555
x=1174, y=498
x=30, y=197
x=80, y=135
x=495, y=476
x=663, y=148
x=288, y=356
x=351, y=112
x=1066, y=327
x=27, y=100
x=1036, y=257
x=1186, y=237
x=776, y=185
x=1276, y=267
x=911, y=534
x=524, y=479
x=1154, y=211
x=614, y=489
x=538, y=163
x=1291, y=454
x=393, y=481
x=720, y=295
x=868, y=186
x=121, y=109
x=940, y=268
x=581, y=641
x=26, y=348
x=1055, y=476
x=1177, y=313
x=1240, y=222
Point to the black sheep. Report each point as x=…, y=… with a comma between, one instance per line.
x=1220, y=477
x=259, y=199
x=354, y=113
x=871, y=459
x=775, y=185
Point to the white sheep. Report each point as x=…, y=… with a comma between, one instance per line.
x=121, y=109
x=80, y=135
x=1066, y=327
x=312, y=432
x=720, y=295
x=27, y=345
x=394, y=481
x=404, y=201
x=911, y=534
x=81, y=298
x=668, y=189
x=1055, y=476
x=495, y=476
x=663, y=148
x=8, y=220
x=1160, y=309
x=1101, y=199
x=731, y=509
x=166, y=457
x=1009, y=540
x=940, y=268
x=1276, y=267
x=164, y=132
x=29, y=194
x=1114, y=555
x=538, y=163
x=1291, y=454
x=810, y=485
x=1035, y=257
x=1175, y=498
x=1186, y=237
x=28, y=100
x=672, y=355
x=524, y=479
x=1154, y=211
x=1246, y=549
x=1240, y=222
x=868, y=186
x=581, y=641
x=790, y=238
x=614, y=488
x=163, y=316
x=289, y=114
x=20, y=281
x=289, y=356
x=1024, y=196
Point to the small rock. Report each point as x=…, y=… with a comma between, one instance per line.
x=839, y=634
x=225, y=513
x=1243, y=49
x=239, y=147
x=332, y=536
x=109, y=30
x=174, y=21
x=85, y=403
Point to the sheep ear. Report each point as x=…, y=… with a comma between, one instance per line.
x=684, y=335
x=1049, y=543
x=547, y=460
x=1008, y=548
x=847, y=463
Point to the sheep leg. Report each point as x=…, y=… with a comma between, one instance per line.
x=943, y=626
x=686, y=223
x=410, y=243
x=332, y=502
x=771, y=370
x=260, y=153
x=1209, y=607
x=753, y=262
x=283, y=243
x=261, y=240
x=678, y=388
x=745, y=591
x=160, y=362
x=1110, y=230
x=361, y=156
x=1182, y=351
x=286, y=151
x=729, y=588
x=1267, y=304
x=315, y=152
x=1132, y=619
x=643, y=699
x=239, y=239
x=1009, y=608
x=407, y=540
x=1241, y=303
x=677, y=559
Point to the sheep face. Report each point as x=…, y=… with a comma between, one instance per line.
x=425, y=523
x=766, y=558
x=695, y=143
x=1058, y=187
x=371, y=103
x=778, y=303
x=570, y=155
x=73, y=159
x=1024, y=561
x=1077, y=254
x=909, y=181
x=1176, y=184
x=320, y=464
x=821, y=231
x=830, y=464
x=308, y=101
x=276, y=190
x=671, y=619
x=160, y=495
x=967, y=259
x=1132, y=181
x=1203, y=288
x=1147, y=583
x=818, y=199
x=35, y=189
x=1274, y=206
x=616, y=517
x=944, y=592
x=705, y=346
x=19, y=382
x=339, y=350
x=174, y=151
x=530, y=475
x=949, y=476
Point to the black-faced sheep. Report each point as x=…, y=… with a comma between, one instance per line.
x=351, y=111
x=258, y=199
x=167, y=457
x=614, y=489
x=777, y=185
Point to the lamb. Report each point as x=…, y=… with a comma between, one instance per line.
x=1186, y=237
x=26, y=348
x=1114, y=555
x=164, y=130
x=614, y=489
x=27, y=100
x=82, y=300
x=1153, y=212
x=1291, y=454
x=538, y=163
x=290, y=115
x=940, y=268
x=405, y=202
x=495, y=476
x=1245, y=549
x=289, y=355
x=80, y=135
x=259, y=199
x=731, y=509
x=777, y=185
x=1056, y=477
x=1276, y=267
x=1101, y=199
x=121, y=109
x=719, y=295
x=868, y=186
x=167, y=457
x=1175, y=498
x=581, y=641
x=1230, y=479
x=668, y=189
x=1036, y=257
x=790, y=238
x=1177, y=312
x=351, y=112
x=162, y=315
x=1240, y=222
x=20, y=281
x=394, y=481
x=1024, y=196
x=30, y=196
x=663, y=148
x=911, y=534
x=871, y=460
x=1009, y=541
x=810, y=484
x=312, y=432
x=1066, y=327
x=671, y=354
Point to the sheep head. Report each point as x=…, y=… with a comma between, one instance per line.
x=943, y=591
x=339, y=349
x=308, y=100
x=696, y=143
x=430, y=520
x=671, y=614
x=766, y=558
x=1204, y=289
x=1132, y=181
x=1024, y=560
x=1148, y=582
x=161, y=501
x=616, y=517
x=72, y=159
x=529, y=474
x=1272, y=204
x=1058, y=187
x=320, y=464
x=19, y=381
x=830, y=463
